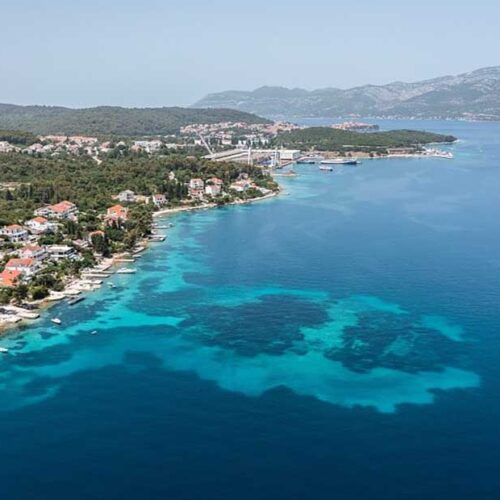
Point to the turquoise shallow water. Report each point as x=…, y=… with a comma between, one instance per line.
x=337, y=340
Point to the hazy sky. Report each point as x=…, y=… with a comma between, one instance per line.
x=160, y=53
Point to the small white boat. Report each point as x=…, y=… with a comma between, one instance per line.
x=4, y=350
x=94, y=332
x=126, y=270
x=57, y=321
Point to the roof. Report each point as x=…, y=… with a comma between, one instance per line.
x=13, y=227
x=31, y=248
x=40, y=220
x=117, y=210
x=27, y=262
x=63, y=206
x=9, y=278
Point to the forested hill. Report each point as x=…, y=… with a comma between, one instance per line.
x=107, y=120
x=326, y=138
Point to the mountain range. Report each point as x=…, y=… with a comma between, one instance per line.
x=474, y=95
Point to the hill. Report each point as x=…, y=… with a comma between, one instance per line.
x=474, y=95
x=329, y=139
x=117, y=121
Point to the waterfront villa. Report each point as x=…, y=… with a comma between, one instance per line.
x=15, y=233
x=196, y=188
x=116, y=213
x=241, y=185
x=214, y=186
x=61, y=252
x=27, y=267
x=159, y=200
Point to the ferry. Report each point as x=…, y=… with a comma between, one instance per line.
x=309, y=160
x=341, y=161
x=57, y=321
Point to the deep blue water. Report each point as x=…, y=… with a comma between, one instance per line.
x=339, y=341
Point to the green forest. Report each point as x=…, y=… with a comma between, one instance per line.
x=33, y=182
x=329, y=139
x=112, y=120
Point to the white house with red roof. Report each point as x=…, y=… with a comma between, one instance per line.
x=63, y=210
x=116, y=213
x=34, y=252
x=196, y=188
x=27, y=267
x=15, y=233
x=213, y=186
x=159, y=200
x=40, y=225
x=241, y=185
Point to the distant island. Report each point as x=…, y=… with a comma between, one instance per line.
x=114, y=121
x=474, y=96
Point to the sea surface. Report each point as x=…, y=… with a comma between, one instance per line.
x=340, y=341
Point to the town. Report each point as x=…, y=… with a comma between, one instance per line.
x=61, y=251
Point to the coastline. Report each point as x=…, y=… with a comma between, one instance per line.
x=17, y=321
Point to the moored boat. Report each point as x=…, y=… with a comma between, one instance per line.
x=340, y=161
x=126, y=270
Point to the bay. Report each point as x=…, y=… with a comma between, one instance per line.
x=339, y=340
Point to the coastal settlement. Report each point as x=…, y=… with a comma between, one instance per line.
x=71, y=206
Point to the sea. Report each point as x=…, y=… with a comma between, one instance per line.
x=339, y=341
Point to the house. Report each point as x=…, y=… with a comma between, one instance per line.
x=40, y=225
x=116, y=213
x=63, y=210
x=126, y=196
x=15, y=233
x=61, y=252
x=35, y=252
x=196, y=188
x=9, y=278
x=27, y=267
x=241, y=185
x=159, y=200
x=214, y=186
